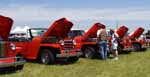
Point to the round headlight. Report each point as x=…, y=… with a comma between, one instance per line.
x=61, y=42
x=12, y=46
x=74, y=42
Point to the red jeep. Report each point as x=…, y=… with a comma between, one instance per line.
x=48, y=45
x=124, y=42
x=8, y=58
x=87, y=42
x=139, y=43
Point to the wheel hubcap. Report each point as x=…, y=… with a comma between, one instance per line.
x=136, y=47
x=45, y=58
x=88, y=54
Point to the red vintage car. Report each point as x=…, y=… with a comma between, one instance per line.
x=139, y=43
x=87, y=41
x=8, y=58
x=48, y=45
x=125, y=44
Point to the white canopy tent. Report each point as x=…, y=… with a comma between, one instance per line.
x=18, y=29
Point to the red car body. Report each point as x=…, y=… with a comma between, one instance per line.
x=137, y=42
x=125, y=44
x=87, y=42
x=8, y=58
x=50, y=44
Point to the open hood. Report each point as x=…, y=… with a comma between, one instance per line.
x=60, y=28
x=5, y=27
x=137, y=33
x=121, y=31
x=92, y=32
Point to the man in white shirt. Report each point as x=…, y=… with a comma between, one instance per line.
x=114, y=44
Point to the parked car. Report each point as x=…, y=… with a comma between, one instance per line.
x=8, y=58
x=87, y=41
x=138, y=40
x=48, y=45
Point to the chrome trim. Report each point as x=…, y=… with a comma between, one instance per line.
x=128, y=49
x=21, y=62
x=69, y=55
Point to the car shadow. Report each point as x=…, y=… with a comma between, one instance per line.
x=7, y=70
x=57, y=62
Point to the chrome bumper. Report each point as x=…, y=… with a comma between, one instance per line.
x=13, y=64
x=66, y=55
x=128, y=49
x=144, y=46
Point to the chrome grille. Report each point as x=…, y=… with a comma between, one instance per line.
x=2, y=49
x=68, y=45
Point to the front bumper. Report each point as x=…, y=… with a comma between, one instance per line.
x=128, y=49
x=66, y=55
x=12, y=61
x=144, y=46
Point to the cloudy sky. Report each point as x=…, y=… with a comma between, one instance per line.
x=83, y=13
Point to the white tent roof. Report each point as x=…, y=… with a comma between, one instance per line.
x=18, y=29
x=25, y=28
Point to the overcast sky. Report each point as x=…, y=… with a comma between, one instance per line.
x=83, y=13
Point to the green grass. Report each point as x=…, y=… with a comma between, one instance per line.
x=136, y=64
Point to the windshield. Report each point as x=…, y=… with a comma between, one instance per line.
x=36, y=32
x=75, y=33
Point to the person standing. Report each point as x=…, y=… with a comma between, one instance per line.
x=102, y=41
x=114, y=44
